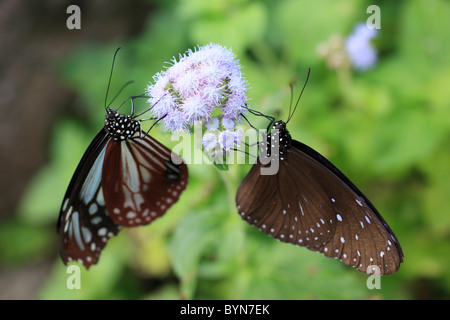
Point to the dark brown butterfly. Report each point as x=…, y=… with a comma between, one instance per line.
x=311, y=203
x=125, y=178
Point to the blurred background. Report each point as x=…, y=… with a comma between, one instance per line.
x=387, y=128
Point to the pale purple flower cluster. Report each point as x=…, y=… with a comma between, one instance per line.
x=361, y=52
x=202, y=81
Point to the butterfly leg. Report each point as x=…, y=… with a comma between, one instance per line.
x=260, y=114
x=153, y=123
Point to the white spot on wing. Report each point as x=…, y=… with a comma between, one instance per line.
x=93, y=179
x=301, y=208
x=102, y=232
x=76, y=230
x=87, y=235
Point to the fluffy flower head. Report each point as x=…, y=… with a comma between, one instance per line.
x=201, y=81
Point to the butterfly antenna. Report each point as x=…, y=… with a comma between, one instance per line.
x=298, y=100
x=132, y=102
x=117, y=94
x=110, y=75
x=291, y=87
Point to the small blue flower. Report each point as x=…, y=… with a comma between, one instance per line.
x=209, y=141
x=212, y=124
x=228, y=123
x=361, y=52
x=227, y=140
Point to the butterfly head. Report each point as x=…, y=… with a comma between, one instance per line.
x=119, y=126
x=279, y=125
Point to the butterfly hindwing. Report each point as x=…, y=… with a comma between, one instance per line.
x=141, y=180
x=84, y=225
x=274, y=211
x=362, y=238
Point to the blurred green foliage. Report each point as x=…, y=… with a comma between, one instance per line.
x=388, y=129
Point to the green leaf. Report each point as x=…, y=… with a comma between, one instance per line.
x=195, y=232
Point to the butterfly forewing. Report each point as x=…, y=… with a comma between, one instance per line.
x=84, y=225
x=141, y=180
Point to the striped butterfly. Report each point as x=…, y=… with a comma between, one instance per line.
x=124, y=179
